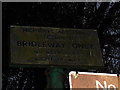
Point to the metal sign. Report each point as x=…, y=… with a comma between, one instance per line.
x=54, y=46
x=94, y=81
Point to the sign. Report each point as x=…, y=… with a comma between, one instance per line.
x=54, y=46
x=95, y=81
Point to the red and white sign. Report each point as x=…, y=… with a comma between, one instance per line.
x=100, y=81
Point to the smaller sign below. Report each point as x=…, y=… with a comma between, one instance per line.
x=96, y=81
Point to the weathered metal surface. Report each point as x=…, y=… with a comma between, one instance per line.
x=54, y=46
x=93, y=80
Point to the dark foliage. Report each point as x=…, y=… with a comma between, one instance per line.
x=105, y=17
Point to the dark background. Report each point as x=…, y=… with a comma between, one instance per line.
x=104, y=17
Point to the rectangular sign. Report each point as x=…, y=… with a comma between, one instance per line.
x=94, y=81
x=54, y=46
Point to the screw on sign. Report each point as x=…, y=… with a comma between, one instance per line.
x=96, y=81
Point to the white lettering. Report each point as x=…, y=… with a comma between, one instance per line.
x=105, y=85
x=111, y=85
x=99, y=84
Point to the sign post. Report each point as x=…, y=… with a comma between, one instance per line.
x=97, y=81
x=56, y=78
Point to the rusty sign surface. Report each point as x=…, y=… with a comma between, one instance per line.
x=54, y=46
x=95, y=81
